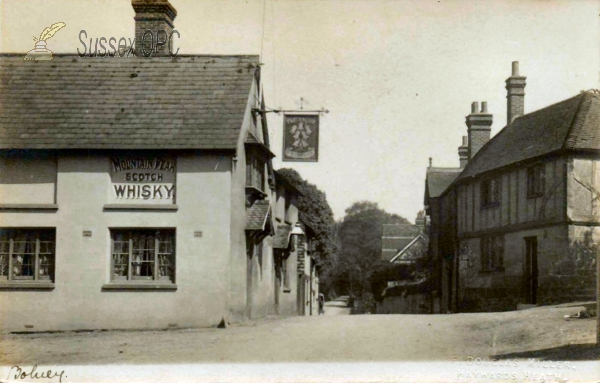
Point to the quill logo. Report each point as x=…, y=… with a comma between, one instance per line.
x=40, y=52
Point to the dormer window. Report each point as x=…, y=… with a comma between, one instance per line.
x=255, y=172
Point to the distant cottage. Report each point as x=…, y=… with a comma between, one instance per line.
x=516, y=224
x=404, y=242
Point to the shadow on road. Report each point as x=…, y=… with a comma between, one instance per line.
x=574, y=352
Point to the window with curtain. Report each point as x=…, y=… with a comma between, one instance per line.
x=143, y=255
x=27, y=254
x=255, y=172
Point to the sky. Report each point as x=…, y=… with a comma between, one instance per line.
x=398, y=77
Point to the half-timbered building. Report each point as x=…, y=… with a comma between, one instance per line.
x=520, y=220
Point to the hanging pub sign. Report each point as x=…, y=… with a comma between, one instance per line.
x=301, y=137
x=142, y=179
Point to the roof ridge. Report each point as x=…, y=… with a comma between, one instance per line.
x=535, y=134
x=571, y=129
x=134, y=103
x=443, y=170
x=546, y=107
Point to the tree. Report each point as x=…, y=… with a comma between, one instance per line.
x=316, y=212
x=359, y=237
x=384, y=272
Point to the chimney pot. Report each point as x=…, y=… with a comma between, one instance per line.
x=515, y=86
x=463, y=152
x=479, y=129
x=420, y=222
x=474, y=107
x=515, y=68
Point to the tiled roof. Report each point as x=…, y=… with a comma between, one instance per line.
x=416, y=249
x=400, y=230
x=256, y=216
x=571, y=124
x=396, y=237
x=187, y=102
x=251, y=139
x=393, y=247
x=438, y=179
x=388, y=254
x=585, y=129
x=282, y=237
x=397, y=243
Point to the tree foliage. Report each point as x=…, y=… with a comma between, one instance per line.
x=359, y=237
x=385, y=271
x=316, y=212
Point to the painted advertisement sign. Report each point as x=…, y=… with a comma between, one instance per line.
x=143, y=179
x=301, y=137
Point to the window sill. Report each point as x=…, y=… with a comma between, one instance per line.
x=17, y=285
x=534, y=196
x=497, y=270
x=139, y=286
x=29, y=206
x=140, y=207
x=490, y=205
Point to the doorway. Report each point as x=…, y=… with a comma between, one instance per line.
x=250, y=270
x=531, y=270
x=277, y=280
x=249, y=291
x=300, y=296
x=306, y=310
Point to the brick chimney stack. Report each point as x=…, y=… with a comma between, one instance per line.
x=154, y=18
x=463, y=152
x=421, y=220
x=515, y=86
x=479, y=128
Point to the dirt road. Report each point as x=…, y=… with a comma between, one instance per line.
x=338, y=306
x=329, y=338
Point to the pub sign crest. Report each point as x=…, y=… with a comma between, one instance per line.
x=301, y=137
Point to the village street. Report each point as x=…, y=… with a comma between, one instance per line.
x=540, y=332
x=338, y=306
